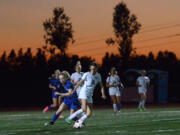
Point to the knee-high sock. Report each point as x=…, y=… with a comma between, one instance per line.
x=140, y=104
x=48, y=108
x=115, y=107
x=119, y=107
x=83, y=118
x=75, y=114
x=55, y=117
x=143, y=103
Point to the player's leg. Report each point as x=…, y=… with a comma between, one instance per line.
x=60, y=100
x=88, y=113
x=140, y=101
x=59, y=103
x=61, y=108
x=49, y=107
x=118, y=98
x=143, y=100
x=75, y=105
x=114, y=101
x=78, y=112
x=112, y=93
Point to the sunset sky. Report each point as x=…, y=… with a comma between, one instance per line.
x=21, y=24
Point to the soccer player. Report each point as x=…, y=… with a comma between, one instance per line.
x=142, y=82
x=70, y=100
x=90, y=80
x=76, y=76
x=113, y=83
x=54, y=85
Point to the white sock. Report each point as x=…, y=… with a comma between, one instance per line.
x=143, y=103
x=140, y=104
x=115, y=107
x=83, y=113
x=83, y=118
x=75, y=114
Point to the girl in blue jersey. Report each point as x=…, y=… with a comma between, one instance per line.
x=70, y=100
x=54, y=85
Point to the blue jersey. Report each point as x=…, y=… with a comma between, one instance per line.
x=67, y=86
x=71, y=101
x=56, y=83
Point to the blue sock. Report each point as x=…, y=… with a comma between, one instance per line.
x=55, y=117
x=118, y=106
x=50, y=107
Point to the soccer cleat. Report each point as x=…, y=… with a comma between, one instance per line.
x=139, y=109
x=48, y=123
x=143, y=109
x=45, y=110
x=83, y=124
x=68, y=121
x=61, y=116
x=116, y=113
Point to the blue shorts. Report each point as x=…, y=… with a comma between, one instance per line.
x=72, y=104
x=53, y=94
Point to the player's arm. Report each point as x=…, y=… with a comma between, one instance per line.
x=121, y=85
x=74, y=82
x=52, y=87
x=64, y=94
x=137, y=84
x=77, y=85
x=148, y=83
x=102, y=90
x=108, y=85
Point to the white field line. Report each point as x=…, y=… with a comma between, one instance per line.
x=167, y=130
x=80, y=132
x=167, y=119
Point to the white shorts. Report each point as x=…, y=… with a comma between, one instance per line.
x=85, y=94
x=114, y=92
x=78, y=90
x=141, y=91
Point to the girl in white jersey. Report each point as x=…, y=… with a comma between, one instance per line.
x=142, y=83
x=113, y=83
x=90, y=80
x=76, y=76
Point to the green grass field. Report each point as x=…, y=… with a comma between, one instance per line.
x=162, y=121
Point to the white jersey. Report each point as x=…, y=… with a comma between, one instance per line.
x=90, y=82
x=143, y=81
x=113, y=80
x=76, y=77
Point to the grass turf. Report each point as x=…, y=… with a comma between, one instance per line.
x=161, y=121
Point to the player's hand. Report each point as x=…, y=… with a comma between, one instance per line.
x=56, y=93
x=103, y=97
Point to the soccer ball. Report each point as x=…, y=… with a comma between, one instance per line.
x=78, y=125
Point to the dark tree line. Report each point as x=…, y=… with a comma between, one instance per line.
x=24, y=77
